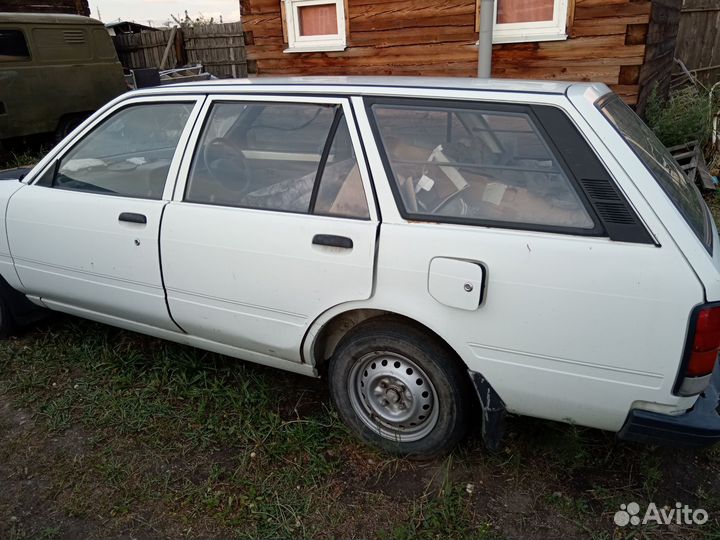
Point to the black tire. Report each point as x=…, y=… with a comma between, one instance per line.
x=67, y=124
x=432, y=365
x=7, y=322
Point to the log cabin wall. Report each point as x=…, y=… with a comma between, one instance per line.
x=607, y=42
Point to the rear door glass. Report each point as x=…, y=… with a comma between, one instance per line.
x=275, y=156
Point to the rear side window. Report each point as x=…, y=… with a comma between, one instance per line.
x=13, y=46
x=290, y=158
x=666, y=171
x=457, y=163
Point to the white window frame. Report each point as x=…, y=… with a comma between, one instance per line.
x=554, y=30
x=319, y=43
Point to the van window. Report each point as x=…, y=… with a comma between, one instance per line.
x=460, y=164
x=13, y=46
x=659, y=161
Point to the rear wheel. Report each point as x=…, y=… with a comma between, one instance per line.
x=400, y=389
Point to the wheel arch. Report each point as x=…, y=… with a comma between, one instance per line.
x=331, y=327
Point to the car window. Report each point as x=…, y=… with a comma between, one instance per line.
x=13, y=46
x=269, y=156
x=662, y=165
x=269, y=129
x=128, y=154
x=457, y=164
x=341, y=192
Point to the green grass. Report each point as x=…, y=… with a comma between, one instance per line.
x=24, y=157
x=133, y=435
x=142, y=398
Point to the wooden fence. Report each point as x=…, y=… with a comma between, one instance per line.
x=698, y=43
x=218, y=47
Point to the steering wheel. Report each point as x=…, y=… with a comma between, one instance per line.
x=450, y=198
x=226, y=164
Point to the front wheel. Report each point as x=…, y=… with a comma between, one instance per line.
x=400, y=389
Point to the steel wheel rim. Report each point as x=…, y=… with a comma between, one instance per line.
x=393, y=396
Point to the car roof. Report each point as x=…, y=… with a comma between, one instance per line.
x=338, y=83
x=46, y=18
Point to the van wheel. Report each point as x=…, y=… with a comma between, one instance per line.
x=66, y=125
x=400, y=389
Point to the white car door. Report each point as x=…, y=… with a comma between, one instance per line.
x=510, y=237
x=273, y=225
x=84, y=234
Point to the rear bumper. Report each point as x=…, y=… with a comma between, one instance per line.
x=699, y=426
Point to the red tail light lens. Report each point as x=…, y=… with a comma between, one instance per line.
x=706, y=343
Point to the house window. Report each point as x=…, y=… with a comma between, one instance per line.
x=529, y=20
x=315, y=25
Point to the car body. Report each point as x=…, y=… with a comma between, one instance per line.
x=427, y=244
x=55, y=70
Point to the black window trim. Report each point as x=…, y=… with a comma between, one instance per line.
x=598, y=230
x=338, y=116
x=19, y=59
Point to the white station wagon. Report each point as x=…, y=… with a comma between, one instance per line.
x=443, y=251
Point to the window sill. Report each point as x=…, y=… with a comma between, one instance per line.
x=528, y=38
x=316, y=48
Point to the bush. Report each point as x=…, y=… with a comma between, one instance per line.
x=686, y=115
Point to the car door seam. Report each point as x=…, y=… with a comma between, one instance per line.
x=160, y=265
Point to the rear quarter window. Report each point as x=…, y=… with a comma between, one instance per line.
x=660, y=163
x=477, y=165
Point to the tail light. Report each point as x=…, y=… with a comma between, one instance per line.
x=702, y=352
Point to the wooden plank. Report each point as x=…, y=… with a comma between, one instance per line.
x=584, y=28
x=409, y=36
x=629, y=75
x=631, y=10
x=170, y=42
x=636, y=34
x=628, y=93
x=697, y=44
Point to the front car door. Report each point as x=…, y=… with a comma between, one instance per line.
x=84, y=234
x=271, y=223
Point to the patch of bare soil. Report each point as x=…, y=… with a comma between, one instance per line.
x=33, y=476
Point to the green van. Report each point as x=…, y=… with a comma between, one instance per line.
x=55, y=70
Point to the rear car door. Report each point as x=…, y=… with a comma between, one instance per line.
x=512, y=238
x=84, y=234
x=272, y=225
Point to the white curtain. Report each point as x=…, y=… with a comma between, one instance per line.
x=519, y=11
x=318, y=20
